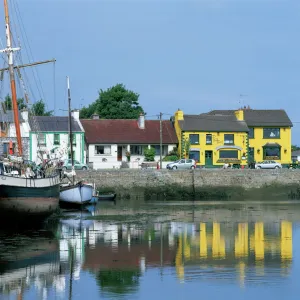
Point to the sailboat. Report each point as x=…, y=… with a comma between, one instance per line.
x=80, y=192
x=20, y=192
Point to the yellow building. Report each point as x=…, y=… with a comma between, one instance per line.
x=212, y=139
x=237, y=137
x=269, y=133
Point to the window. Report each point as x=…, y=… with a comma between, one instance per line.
x=271, y=133
x=100, y=150
x=41, y=139
x=6, y=148
x=251, y=154
x=157, y=149
x=228, y=139
x=272, y=152
x=208, y=139
x=69, y=155
x=136, y=150
x=74, y=139
x=251, y=133
x=56, y=139
x=195, y=155
x=194, y=139
x=3, y=126
x=229, y=154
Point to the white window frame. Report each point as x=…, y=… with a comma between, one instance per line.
x=40, y=136
x=106, y=150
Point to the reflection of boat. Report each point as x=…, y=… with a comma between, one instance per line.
x=74, y=193
x=77, y=219
x=30, y=259
x=22, y=193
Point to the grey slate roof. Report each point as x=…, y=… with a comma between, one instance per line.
x=8, y=116
x=296, y=153
x=260, y=117
x=53, y=124
x=206, y=122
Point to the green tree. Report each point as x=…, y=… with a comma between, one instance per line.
x=87, y=112
x=118, y=281
x=8, y=103
x=186, y=146
x=115, y=103
x=295, y=147
x=149, y=154
x=39, y=109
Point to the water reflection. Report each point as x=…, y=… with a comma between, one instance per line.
x=262, y=247
x=28, y=260
x=115, y=257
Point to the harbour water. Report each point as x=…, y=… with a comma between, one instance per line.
x=157, y=250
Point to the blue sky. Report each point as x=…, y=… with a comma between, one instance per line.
x=193, y=55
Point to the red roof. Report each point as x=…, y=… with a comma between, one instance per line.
x=127, y=131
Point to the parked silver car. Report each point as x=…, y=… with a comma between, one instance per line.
x=182, y=164
x=268, y=164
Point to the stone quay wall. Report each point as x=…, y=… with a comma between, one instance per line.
x=200, y=183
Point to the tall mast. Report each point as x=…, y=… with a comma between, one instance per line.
x=9, y=51
x=70, y=126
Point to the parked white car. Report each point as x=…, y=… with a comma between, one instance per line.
x=182, y=164
x=268, y=164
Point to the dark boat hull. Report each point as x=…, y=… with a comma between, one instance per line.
x=27, y=198
x=108, y=197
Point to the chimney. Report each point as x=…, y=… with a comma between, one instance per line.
x=95, y=117
x=24, y=114
x=141, y=121
x=75, y=114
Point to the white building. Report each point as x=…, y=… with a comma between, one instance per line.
x=50, y=133
x=8, y=132
x=108, y=141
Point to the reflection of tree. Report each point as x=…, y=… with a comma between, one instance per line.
x=118, y=281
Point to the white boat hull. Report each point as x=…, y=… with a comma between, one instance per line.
x=76, y=194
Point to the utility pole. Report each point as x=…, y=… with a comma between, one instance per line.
x=160, y=139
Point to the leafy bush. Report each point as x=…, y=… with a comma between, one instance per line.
x=170, y=158
x=173, y=152
x=149, y=154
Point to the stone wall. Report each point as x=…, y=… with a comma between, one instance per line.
x=211, y=182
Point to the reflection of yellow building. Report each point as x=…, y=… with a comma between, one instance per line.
x=251, y=244
x=241, y=241
x=218, y=244
x=286, y=241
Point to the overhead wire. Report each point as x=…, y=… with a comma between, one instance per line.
x=36, y=76
x=28, y=49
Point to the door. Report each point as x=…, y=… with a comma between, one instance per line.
x=181, y=164
x=188, y=164
x=120, y=149
x=208, y=158
x=77, y=165
x=251, y=155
